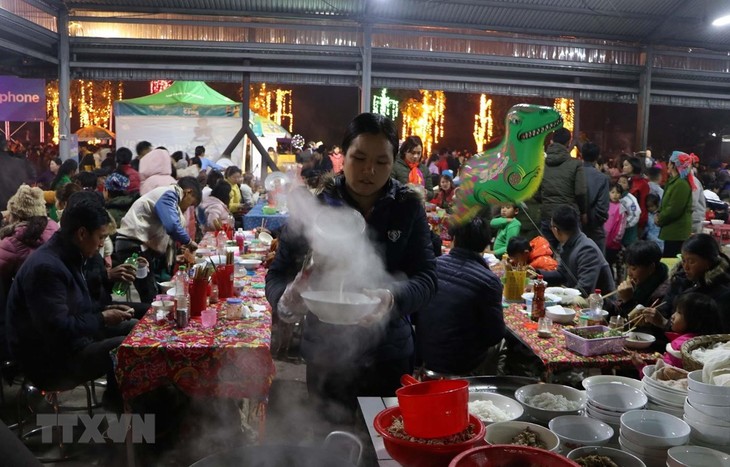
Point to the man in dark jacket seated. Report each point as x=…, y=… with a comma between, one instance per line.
x=53, y=330
x=456, y=330
x=581, y=265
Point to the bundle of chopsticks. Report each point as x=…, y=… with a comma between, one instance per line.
x=203, y=272
x=636, y=320
x=229, y=257
x=217, y=225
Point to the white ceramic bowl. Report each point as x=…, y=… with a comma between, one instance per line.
x=695, y=415
x=503, y=432
x=650, y=428
x=560, y=314
x=661, y=397
x=696, y=384
x=250, y=264
x=563, y=292
x=624, y=459
x=526, y=392
x=639, y=340
x=712, y=434
x=612, y=420
x=334, y=308
x=167, y=285
x=696, y=456
x=509, y=406
x=550, y=299
x=671, y=410
x=717, y=221
x=648, y=371
x=586, y=312
x=265, y=238
x=708, y=409
x=640, y=451
x=576, y=431
x=602, y=379
x=709, y=399
x=616, y=397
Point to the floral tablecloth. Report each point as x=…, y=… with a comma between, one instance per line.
x=552, y=350
x=230, y=360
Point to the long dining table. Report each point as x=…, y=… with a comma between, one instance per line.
x=230, y=360
x=552, y=351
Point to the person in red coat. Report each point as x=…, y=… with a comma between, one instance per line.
x=639, y=186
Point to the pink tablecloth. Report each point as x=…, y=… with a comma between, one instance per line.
x=231, y=359
x=552, y=350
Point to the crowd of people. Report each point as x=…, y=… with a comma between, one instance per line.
x=617, y=225
x=67, y=232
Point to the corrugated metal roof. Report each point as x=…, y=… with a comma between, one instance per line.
x=662, y=22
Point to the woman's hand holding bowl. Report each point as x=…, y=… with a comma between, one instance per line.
x=383, y=308
x=626, y=290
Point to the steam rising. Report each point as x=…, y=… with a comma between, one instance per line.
x=344, y=256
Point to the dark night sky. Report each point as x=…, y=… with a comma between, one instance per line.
x=322, y=113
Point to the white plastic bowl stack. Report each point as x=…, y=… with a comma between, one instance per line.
x=648, y=434
x=607, y=402
x=707, y=411
x=662, y=397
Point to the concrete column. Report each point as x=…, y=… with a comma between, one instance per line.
x=642, y=111
x=576, y=114
x=64, y=86
x=367, y=64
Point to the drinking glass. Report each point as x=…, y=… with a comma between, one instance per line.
x=209, y=317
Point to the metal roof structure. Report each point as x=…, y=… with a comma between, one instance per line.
x=588, y=49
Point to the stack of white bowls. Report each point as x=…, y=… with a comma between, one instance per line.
x=662, y=397
x=648, y=434
x=607, y=402
x=707, y=411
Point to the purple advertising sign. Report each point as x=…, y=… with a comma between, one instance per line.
x=22, y=100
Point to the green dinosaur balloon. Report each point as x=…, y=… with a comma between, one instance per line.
x=512, y=171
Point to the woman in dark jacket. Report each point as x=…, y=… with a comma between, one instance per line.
x=703, y=270
x=409, y=166
x=366, y=359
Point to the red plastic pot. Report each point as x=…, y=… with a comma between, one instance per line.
x=412, y=454
x=434, y=409
x=503, y=455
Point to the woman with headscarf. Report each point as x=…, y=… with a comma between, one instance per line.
x=675, y=213
x=409, y=166
x=27, y=228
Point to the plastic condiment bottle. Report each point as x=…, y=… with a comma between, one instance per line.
x=538, y=299
x=595, y=305
x=181, y=287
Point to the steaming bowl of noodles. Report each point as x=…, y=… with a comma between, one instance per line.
x=344, y=308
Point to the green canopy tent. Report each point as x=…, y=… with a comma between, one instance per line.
x=186, y=115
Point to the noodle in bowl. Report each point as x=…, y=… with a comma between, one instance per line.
x=343, y=308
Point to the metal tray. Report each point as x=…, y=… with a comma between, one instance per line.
x=504, y=385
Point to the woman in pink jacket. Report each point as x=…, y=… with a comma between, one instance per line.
x=155, y=170
x=28, y=228
x=215, y=207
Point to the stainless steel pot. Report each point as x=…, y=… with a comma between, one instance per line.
x=330, y=454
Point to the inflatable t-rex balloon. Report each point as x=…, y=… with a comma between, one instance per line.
x=512, y=171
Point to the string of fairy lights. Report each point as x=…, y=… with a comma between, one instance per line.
x=423, y=117
x=92, y=100
x=274, y=104
x=483, y=123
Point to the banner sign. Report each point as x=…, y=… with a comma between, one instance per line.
x=22, y=100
